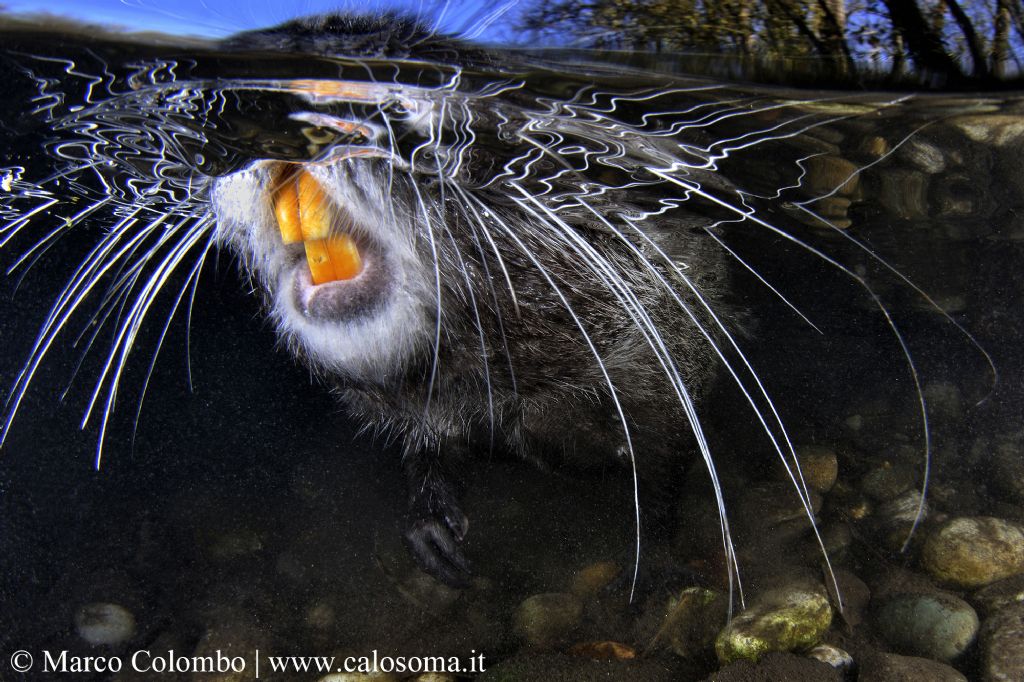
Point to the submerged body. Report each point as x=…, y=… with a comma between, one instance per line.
x=478, y=250
x=493, y=304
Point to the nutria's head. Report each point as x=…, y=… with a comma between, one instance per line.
x=432, y=213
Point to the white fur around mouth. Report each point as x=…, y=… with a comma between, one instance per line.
x=339, y=300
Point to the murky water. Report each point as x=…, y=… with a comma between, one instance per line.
x=872, y=240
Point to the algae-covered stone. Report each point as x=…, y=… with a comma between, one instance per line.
x=544, y=620
x=791, y=618
x=766, y=506
x=938, y=626
x=974, y=551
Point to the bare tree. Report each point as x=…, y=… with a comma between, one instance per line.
x=947, y=41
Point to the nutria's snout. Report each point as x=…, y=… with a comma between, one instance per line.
x=335, y=256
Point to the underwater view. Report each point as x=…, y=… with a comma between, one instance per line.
x=447, y=341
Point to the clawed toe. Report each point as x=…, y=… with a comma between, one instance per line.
x=435, y=547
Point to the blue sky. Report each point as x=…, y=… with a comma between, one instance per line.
x=211, y=18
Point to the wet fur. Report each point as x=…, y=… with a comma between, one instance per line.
x=513, y=370
x=571, y=331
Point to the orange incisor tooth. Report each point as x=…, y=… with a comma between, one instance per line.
x=319, y=260
x=314, y=208
x=304, y=214
x=286, y=210
x=344, y=256
x=333, y=258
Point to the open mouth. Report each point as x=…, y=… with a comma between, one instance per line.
x=306, y=215
x=345, y=272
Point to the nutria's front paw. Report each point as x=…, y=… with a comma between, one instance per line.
x=434, y=543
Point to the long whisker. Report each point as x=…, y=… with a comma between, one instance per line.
x=897, y=334
x=613, y=392
x=126, y=337
x=480, y=330
x=190, y=284
x=78, y=288
x=478, y=226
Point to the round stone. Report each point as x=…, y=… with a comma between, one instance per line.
x=974, y=551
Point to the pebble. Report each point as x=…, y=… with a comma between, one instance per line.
x=104, y=623
x=770, y=504
x=999, y=595
x=835, y=210
x=545, y=620
x=875, y=146
x=818, y=464
x=1005, y=468
x=832, y=655
x=593, y=578
x=603, y=651
x=693, y=622
x=784, y=619
x=902, y=509
x=831, y=174
x=1002, y=646
x=974, y=551
x=993, y=129
x=896, y=668
x=924, y=155
x=904, y=193
x=231, y=633
x=428, y=593
x=898, y=518
x=855, y=596
x=938, y=626
x=777, y=667
x=553, y=667
x=837, y=538
x=887, y=481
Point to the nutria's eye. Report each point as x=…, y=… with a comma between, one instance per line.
x=395, y=107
